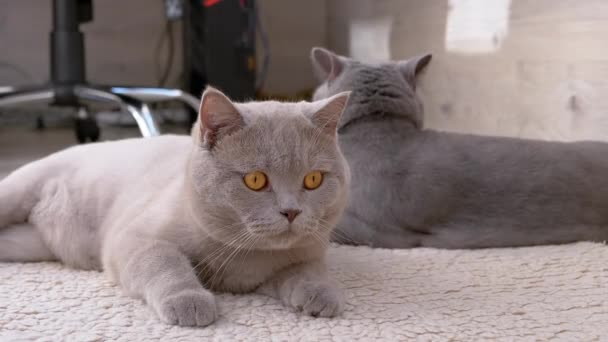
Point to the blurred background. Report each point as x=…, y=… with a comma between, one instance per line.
x=524, y=68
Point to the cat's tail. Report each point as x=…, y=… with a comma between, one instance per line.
x=18, y=196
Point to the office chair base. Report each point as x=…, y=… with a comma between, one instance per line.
x=86, y=127
x=132, y=100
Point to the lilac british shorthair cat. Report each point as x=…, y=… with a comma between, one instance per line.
x=245, y=204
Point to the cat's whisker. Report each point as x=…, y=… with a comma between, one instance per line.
x=341, y=236
x=217, y=254
x=217, y=276
x=218, y=250
x=245, y=247
x=338, y=234
x=325, y=225
x=320, y=239
x=232, y=249
x=212, y=257
x=225, y=263
x=253, y=242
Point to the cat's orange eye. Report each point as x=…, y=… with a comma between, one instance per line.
x=255, y=180
x=313, y=180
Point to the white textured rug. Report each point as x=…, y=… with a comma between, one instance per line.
x=538, y=293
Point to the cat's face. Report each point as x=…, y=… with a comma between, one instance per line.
x=376, y=88
x=270, y=174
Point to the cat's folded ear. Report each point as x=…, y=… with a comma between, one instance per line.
x=327, y=117
x=412, y=67
x=218, y=117
x=326, y=64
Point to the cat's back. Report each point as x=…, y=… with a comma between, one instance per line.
x=510, y=159
x=120, y=156
x=395, y=158
x=127, y=147
x=109, y=172
x=112, y=173
x=79, y=193
x=423, y=180
x=502, y=172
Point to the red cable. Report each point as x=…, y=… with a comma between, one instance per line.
x=209, y=3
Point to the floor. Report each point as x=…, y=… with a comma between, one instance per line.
x=20, y=145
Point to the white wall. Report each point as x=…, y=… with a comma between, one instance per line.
x=120, y=42
x=543, y=75
x=294, y=27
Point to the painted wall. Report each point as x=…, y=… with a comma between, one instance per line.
x=294, y=27
x=528, y=68
x=121, y=42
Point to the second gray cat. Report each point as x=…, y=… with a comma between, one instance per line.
x=418, y=187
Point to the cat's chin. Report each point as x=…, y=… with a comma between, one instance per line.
x=285, y=240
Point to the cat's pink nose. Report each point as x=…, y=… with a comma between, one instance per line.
x=291, y=214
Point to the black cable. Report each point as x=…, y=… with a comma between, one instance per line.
x=261, y=76
x=17, y=69
x=163, y=72
x=169, y=64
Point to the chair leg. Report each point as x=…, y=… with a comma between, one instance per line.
x=6, y=89
x=17, y=97
x=139, y=110
x=131, y=102
x=142, y=115
x=158, y=95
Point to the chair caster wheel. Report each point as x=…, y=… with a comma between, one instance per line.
x=40, y=125
x=86, y=128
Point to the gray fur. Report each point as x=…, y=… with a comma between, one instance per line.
x=418, y=187
x=170, y=218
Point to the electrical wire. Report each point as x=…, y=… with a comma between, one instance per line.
x=163, y=72
x=261, y=76
x=17, y=69
x=198, y=49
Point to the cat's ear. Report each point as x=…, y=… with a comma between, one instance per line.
x=326, y=118
x=413, y=66
x=218, y=117
x=326, y=64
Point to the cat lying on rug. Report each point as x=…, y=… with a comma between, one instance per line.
x=247, y=203
x=417, y=187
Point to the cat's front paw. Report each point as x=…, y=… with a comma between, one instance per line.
x=318, y=299
x=189, y=308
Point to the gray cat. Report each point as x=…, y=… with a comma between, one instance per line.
x=246, y=204
x=417, y=187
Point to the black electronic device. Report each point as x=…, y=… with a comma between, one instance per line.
x=219, y=47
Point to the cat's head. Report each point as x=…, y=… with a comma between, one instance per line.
x=268, y=175
x=377, y=89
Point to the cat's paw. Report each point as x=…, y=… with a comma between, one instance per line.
x=189, y=308
x=318, y=299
